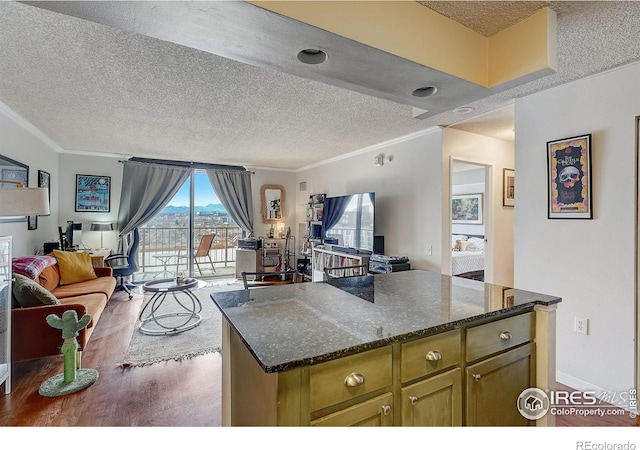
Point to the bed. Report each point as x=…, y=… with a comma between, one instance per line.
x=467, y=256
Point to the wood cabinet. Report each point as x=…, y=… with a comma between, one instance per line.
x=493, y=387
x=5, y=313
x=471, y=375
x=377, y=412
x=436, y=401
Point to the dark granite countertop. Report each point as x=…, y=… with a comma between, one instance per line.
x=307, y=323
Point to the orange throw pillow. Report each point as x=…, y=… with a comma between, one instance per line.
x=74, y=267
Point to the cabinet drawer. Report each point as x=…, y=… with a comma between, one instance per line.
x=335, y=381
x=493, y=337
x=429, y=355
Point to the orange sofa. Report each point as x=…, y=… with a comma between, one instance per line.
x=31, y=335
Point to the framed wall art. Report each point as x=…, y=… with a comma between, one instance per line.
x=32, y=222
x=93, y=193
x=508, y=187
x=44, y=181
x=569, y=178
x=466, y=209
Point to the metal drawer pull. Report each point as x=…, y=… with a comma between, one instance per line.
x=386, y=410
x=434, y=355
x=413, y=399
x=355, y=379
x=477, y=376
x=505, y=336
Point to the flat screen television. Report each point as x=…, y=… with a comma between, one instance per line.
x=350, y=219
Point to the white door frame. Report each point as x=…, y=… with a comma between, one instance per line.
x=487, y=213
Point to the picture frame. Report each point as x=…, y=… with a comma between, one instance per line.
x=467, y=209
x=569, y=178
x=16, y=172
x=508, y=187
x=93, y=193
x=32, y=222
x=44, y=181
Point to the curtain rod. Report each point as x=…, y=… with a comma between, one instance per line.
x=195, y=165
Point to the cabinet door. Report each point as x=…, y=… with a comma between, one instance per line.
x=493, y=387
x=436, y=401
x=376, y=412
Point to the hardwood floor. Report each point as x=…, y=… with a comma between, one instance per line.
x=186, y=393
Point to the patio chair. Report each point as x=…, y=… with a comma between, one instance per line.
x=202, y=252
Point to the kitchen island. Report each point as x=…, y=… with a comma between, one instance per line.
x=405, y=348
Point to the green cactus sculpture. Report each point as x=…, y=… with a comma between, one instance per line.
x=74, y=378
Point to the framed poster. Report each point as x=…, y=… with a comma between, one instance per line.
x=467, y=209
x=93, y=193
x=508, y=187
x=44, y=181
x=569, y=178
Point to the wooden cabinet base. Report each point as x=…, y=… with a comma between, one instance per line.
x=458, y=385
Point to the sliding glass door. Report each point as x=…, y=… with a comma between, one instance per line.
x=193, y=235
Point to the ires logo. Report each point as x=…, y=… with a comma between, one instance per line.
x=534, y=403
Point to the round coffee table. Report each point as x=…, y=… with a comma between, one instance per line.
x=163, y=322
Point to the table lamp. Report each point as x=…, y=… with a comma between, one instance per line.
x=23, y=201
x=101, y=227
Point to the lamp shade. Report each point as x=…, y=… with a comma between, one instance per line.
x=24, y=202
x=101, y=226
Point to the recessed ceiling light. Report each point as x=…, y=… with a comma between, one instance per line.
x=312, y=56
x=463, y=110
x=425, y=91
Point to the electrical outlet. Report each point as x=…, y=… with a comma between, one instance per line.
x=580, y=325
x=429, y=250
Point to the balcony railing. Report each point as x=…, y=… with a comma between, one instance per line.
x=163, y=252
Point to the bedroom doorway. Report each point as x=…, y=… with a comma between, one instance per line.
x=470, y=220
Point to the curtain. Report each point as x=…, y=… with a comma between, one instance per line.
x=146, y=189
x=333, y=210
x=234, y=191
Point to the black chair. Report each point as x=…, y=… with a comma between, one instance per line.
x=125, y=265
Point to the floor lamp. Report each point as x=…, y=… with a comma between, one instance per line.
x=101, y=227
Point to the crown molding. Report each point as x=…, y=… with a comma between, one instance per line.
x=29, y=127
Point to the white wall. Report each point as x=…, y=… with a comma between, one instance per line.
x=19, y=141
x=408, y=199
x=74, y=164
x=499, y=229
x=288, y=181
x=589, y=263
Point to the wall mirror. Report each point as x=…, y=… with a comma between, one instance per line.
x=272, y=203
x=11, y=173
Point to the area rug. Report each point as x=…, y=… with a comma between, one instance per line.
x=205, y=338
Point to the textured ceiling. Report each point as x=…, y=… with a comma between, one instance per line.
x=95, y=88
